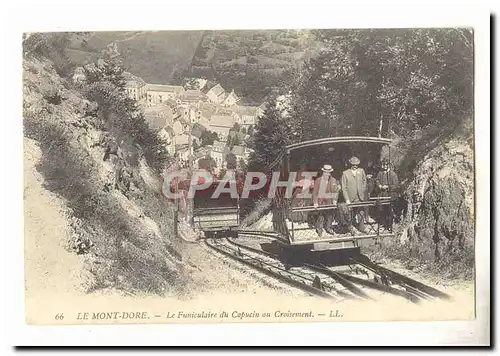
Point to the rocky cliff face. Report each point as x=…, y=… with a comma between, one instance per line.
x=439, y=225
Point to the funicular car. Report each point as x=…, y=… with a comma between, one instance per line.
x=219, y=216
x=295, y=220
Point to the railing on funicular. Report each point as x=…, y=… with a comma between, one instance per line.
x=374, y=211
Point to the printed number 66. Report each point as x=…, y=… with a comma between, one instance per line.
x=60, y=316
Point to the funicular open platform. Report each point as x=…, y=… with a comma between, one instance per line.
x=295, y=223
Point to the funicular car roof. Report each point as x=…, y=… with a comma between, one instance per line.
x=344, y=139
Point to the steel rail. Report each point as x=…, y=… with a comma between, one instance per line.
x=271, y=270
x=345, y=283
x=349, y=282
x=340, y=279
x=381, y=287
x=398, y=278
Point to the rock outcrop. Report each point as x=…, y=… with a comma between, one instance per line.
x=439, y=225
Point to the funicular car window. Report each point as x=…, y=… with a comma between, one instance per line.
x=206, y=198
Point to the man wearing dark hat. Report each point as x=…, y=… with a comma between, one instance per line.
x=325, y=192
x=354, y=189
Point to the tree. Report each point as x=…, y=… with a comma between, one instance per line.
x=242, y=165
x=231, y=161
x=190, y=84
x=120, y=114
x=51, y=45
x=233, y=140
x=236, y=127
x=208, y=138
x=373, y=82
x=207, y=163
x=272, y=133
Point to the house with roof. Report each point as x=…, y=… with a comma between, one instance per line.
x=239, y=152
x=198, y=130
x=217, y=94
x=221, y=124
x=178, y=128
x=181, y=140
x=218, y=152
x=231, y=99
x=135, y=87
x=248, y=115
x=158, y=93
x=184, y=154
x=193, y=96
x=159, y=116
x=166, y=134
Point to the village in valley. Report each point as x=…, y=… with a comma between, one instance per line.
x=197, y=122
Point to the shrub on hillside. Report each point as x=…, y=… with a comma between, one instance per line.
x=120, y=114
x=52, y=46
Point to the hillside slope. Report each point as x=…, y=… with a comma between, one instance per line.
x=158, y=57
x=120, y=232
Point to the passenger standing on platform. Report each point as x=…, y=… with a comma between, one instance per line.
x=325, y=192
x=354, y=189
x=387, y=181
x=301, y=195
x=388, y=187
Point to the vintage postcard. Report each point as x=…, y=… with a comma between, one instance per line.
x=251, y=175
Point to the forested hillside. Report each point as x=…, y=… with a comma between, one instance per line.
x=254, y=62
x=159, y=57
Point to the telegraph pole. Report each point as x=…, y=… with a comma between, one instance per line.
x=190, y=202
x=190, y=142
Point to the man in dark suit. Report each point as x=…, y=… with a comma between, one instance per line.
x=388, y=187
x=354, y=189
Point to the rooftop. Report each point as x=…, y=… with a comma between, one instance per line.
x=159, y=116
x=176, y=89
x=217, y=90
x=197, y=130
x=182, y=139
x=133, y=81
x=233, y=94
x=222, y=121
x=220, y=130
x=208, y=109
x=238, y=150
x=218, y=146
x=193, y=95
x=245, y=110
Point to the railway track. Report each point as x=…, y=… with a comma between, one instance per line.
x=364, y=275
x=266, y=263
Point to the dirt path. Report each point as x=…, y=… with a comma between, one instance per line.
x=213, y=274
x=49, y=268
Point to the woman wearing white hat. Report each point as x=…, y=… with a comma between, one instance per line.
x=325, y=192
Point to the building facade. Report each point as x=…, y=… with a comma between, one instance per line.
x=157, y=93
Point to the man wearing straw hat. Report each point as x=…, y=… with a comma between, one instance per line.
x=354, y=189
x=325, y=192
